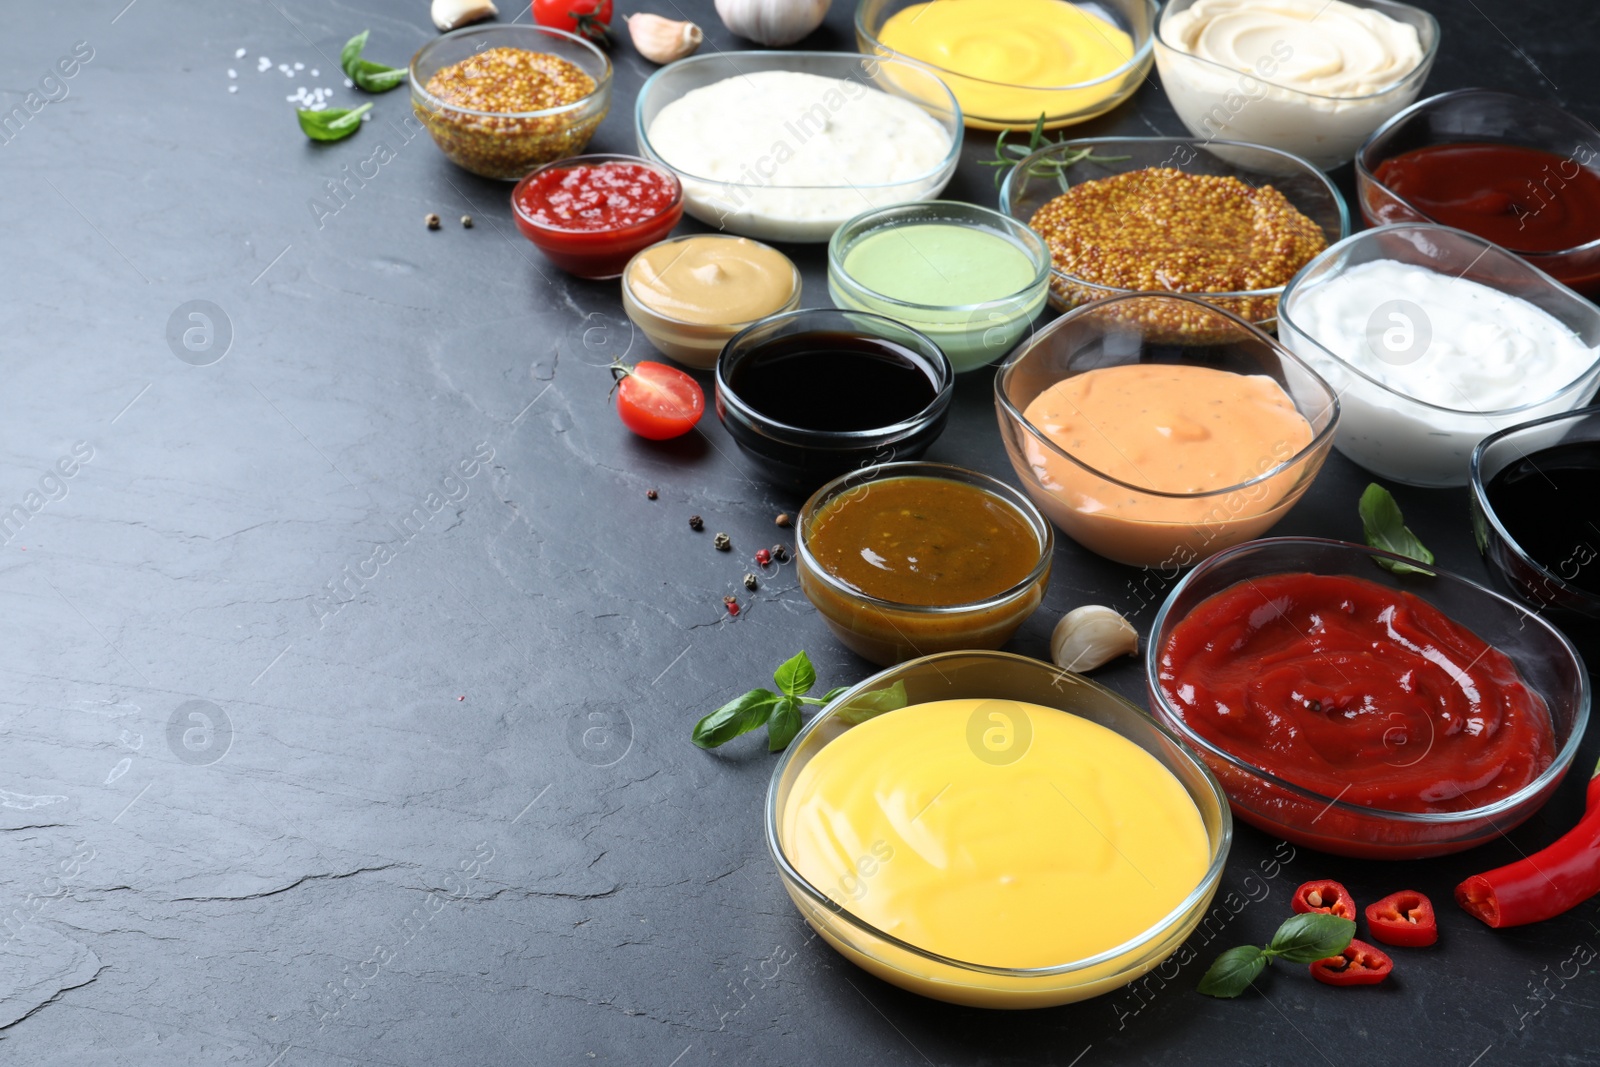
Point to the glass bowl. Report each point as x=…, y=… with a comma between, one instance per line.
x=763, y=206
x=1484, y=115
x=1386, y=430
x=509, y=144
x=1152, y=527
x=887, y=632
x=1029, y=186
x=971, y=334
x=596, y=253
x=803, y=458
x=991, y=105
x=694, y=344
x=1545, y=659
x=1214, y=101
x=1546, y=584
x=998, y=675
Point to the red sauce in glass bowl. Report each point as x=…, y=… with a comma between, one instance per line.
x=1356, y=691
x=590, y=214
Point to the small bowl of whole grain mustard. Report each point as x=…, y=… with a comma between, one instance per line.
x=1227, y=222
x=501, y=101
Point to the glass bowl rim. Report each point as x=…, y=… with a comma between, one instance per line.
x=1559, y=764
x=596, y=159
x=434, y=105
x=1430, y=52
x=1193, y=142
x=915, y=468
x=732, y=328
x=945, y=165
x=1480, y=495
x=1205, y=885
x=1318, y=440
x=1369, y=174
x=1039, y=255
x=1488, y=247
x=1140, y=54
x=848, y=438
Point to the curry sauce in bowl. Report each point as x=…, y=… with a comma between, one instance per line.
x=908, y=559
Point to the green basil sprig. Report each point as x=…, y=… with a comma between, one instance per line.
x=1386, y=528
x=1301, y=939
x=332, y=124
x=373, y=77
x=779, y=712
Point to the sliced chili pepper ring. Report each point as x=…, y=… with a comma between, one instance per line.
x=1326, y=895
x=1358, y=964
x=1405, y=919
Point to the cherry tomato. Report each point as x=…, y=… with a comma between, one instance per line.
x=587, y=18
x=656, y=401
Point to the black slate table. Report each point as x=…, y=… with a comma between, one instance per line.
x=348, y=674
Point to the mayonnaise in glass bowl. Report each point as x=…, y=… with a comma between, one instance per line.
x=1435, y=338
x=1311, y=77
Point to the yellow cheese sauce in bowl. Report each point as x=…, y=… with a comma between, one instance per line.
x=985, y=829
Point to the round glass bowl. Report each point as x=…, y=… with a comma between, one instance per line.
x=970, y=333
x=992, y=105
x=801, y=457
x=1218, y=101
x=886, y=632
x=1486, y=116
x=596, y=253
x=509, y=144
x=695, y=344
x=1545, y=659
x=997, y=675
x=1546, y=584
x=1390, y=432
x=1043, y=176
x=1149, y=527
x=761, y=203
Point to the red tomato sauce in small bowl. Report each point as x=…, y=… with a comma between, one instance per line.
x=589, y=215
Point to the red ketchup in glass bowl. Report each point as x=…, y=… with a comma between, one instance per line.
x=590, y=214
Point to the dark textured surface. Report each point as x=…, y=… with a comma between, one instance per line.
x=407, y=853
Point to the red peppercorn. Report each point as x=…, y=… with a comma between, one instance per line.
x=763, y=557
x=732, y=605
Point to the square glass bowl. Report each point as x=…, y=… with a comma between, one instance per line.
x=1385, y=429
x=509, y=144
x=766, y=207
x=993, y=105
x=1492, y=116
x=1543, y=656
x=997, y=675
x=1046, y=174
x=1151, y=527
x=1215, y=101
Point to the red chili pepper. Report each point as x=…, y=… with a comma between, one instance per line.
x=1404, y=918
x=1358, y=964
x=1324, y=894
x=1555, y=879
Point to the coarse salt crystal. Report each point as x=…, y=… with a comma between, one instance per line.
x=299, y=66
x=348, y=84
x=233, y=88
x=315, y=73
x=239, y=54
x=232, y=73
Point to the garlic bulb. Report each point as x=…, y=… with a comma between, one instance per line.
x=1090, y=637
x=448, y=14
x=661, y=40
x=773, y=23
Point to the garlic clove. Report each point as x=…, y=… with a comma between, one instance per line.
x=662, y=40
x=448, y=14
x=1090, y=637
x=774, y=23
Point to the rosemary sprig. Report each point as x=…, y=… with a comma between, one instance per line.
x=1009, y=155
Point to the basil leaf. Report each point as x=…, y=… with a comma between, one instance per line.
x=828, y=697
x=332, y=124
x=1386, y=528
x=783, y=725
x=738, y=716
x=1311, y=937
x=373, y=77
x=869, y=705
x=796, y=676
x=1233, y=972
